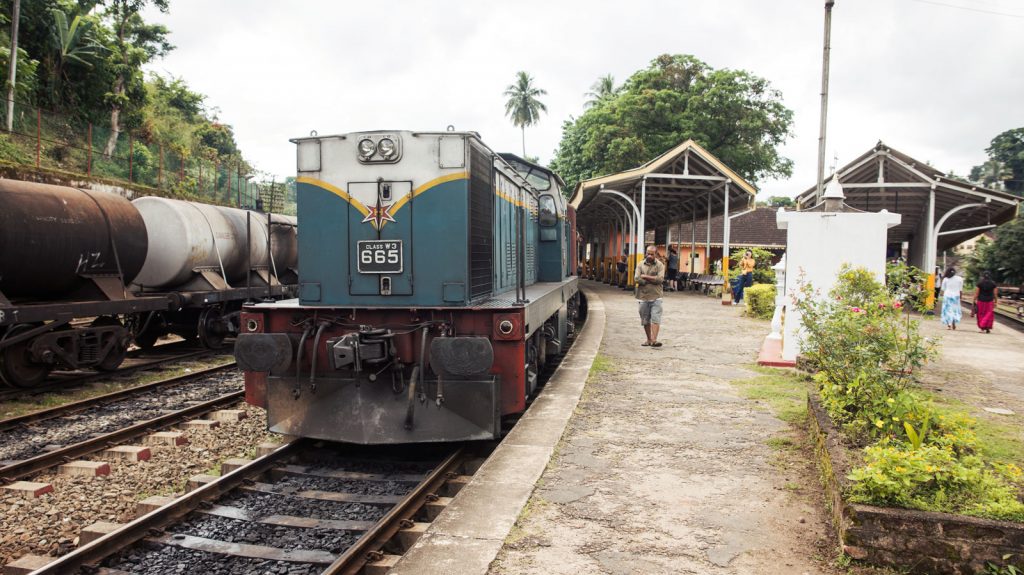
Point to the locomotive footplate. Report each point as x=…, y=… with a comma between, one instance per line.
x=373, y=413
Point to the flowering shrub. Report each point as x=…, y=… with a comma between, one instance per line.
x=866, y=346
x=865, y=349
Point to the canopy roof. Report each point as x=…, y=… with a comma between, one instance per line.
x=886, y=179
x=679, y=182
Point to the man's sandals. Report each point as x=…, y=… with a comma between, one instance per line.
x=649, y=344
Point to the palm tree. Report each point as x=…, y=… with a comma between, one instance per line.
x=522, y=106
x=601, y=90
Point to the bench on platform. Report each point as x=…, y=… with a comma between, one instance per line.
x=705, y=282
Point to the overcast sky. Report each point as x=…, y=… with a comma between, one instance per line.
x=934, y=79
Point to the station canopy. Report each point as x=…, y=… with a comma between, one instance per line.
x=679, y=184
x=886, y=179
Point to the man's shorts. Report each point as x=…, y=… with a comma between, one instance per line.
x=670, y=274
x=650, y=312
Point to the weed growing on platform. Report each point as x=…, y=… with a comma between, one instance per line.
x=783, y=390
x=602, y=364
x=916, y=455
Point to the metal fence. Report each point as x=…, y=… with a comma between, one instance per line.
x=50, y=140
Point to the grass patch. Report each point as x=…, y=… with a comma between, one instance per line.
x=602, y=364
x=783, y=390
x=997, y=442
x=782, y=444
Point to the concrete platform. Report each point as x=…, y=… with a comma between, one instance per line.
x=467, y=535
x=671, y=464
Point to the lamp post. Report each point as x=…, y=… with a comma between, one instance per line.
x=824, y=99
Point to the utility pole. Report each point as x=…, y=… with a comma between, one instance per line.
x=12, y=77
x=824, y=99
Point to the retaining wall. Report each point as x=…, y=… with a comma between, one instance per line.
x=919, y=541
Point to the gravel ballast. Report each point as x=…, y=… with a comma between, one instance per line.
x=50, y=525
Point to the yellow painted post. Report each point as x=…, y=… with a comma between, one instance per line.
x=930, y=295
x=726, y=292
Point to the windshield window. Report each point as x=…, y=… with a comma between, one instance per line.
x=537, y=178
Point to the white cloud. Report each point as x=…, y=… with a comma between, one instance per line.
x=933, y=81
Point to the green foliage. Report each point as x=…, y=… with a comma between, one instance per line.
x=760, y=300
x=1008, y=149
x=933, y=478
x=778, y=202
x=1008, y=252
x=1006, y=568
x=915, y=455
x=735, y=115
x=906, y=283
x=880, y=348
x=602, y=90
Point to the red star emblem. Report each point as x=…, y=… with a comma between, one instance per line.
x=378, y=215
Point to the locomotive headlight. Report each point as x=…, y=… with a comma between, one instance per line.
x=386, y=147
x=367, y=148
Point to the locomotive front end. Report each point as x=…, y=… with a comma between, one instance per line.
x=380, y=346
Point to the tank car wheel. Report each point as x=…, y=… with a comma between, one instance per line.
x=16, y=366
x=211, y=335
x=116, y=355
x=146, y=340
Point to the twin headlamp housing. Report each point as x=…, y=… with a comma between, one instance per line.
x=379, y=148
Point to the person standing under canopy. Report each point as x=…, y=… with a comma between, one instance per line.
x=650, y=274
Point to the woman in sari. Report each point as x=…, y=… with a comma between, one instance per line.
x=952, y=284
x=986, y=294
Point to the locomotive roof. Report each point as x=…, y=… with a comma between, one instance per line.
x=509, y=156
x=314, y=136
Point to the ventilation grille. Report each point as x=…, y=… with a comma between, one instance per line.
x=481, y=224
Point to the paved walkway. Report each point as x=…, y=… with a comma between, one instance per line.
x=665, y=468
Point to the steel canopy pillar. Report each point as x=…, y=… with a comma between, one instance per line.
x=929, y=251
x=640, y=231
x=726, y=225
x=707, y=240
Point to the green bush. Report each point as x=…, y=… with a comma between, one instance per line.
x=933, y=478
x=915, y=456
x=760, y=300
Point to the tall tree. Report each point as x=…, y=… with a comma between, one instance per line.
x=135, y=44
x=522, y=106
x=735, y=115
x=601, y=90
x=1008, y=149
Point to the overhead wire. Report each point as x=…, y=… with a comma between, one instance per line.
x=982, y=10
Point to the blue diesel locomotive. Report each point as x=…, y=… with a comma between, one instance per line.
x=437, y=278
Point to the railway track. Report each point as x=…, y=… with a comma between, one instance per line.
x=45, y=439
x=138, y=360
x=302, y=508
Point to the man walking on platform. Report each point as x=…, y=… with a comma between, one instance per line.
x=649, y=276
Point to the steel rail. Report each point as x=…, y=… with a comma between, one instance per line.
x=155, y=521
x=24, y=468
x=352, y=561
x=69, y=408
x=57, y=384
